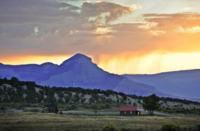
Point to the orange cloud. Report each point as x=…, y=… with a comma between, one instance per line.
x=194, y=29
x=171, y=20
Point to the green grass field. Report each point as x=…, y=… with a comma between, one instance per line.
x=56, y=122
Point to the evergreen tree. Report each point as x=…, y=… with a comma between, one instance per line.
x=151, y=103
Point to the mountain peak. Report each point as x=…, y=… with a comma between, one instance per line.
x=48, y=64
x=80, y=56
x=77, y=58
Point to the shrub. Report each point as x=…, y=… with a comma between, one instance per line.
x=170, y=128
x=32, y=110
x=198, y=127
x=124, y=129
x=109, y=128
x=2, y=109
x=60, y=112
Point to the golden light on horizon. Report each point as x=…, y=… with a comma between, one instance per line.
x=124, y=64
x=15, y=60
x=152, y=63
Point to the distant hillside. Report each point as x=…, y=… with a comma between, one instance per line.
x=182, y=84
x=28, y=93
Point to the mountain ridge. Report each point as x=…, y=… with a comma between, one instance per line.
x=77, y=71
x=184, y=83
x=80, y=71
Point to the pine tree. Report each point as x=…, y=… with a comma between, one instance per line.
x=151, y=103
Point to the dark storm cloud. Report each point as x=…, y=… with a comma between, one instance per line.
x=104, y=11
x=17, y=11
x=38, y=26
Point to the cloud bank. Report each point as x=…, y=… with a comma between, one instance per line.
x=102, y=29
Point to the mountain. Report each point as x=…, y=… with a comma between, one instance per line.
x=80, y=71
x=77, y=71
x=182, y=84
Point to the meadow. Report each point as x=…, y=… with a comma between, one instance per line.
x=32, y=121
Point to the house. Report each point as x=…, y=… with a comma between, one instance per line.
x=129, y=110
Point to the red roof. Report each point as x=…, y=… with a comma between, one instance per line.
x=128, y=108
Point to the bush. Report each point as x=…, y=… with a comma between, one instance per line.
x=109, y=128
x=170, y=128
x=60, y=112
x=32, y=110
x=124, y=129
x=2, y=109
x=70, y=107
x=198, y=127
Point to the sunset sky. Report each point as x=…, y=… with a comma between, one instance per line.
x=122, y=36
